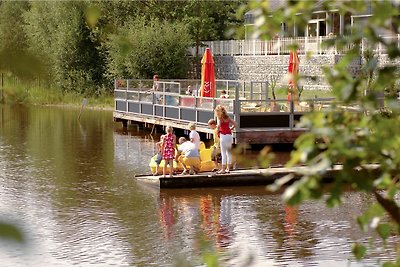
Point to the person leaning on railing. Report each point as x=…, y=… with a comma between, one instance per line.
x=224, y=94
x=156, y=88
x=156, y=83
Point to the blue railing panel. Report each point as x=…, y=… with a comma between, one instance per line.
x=133, y=107
x=120, y=105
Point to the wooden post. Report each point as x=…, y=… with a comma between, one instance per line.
x=84, y=102
x=2, y=89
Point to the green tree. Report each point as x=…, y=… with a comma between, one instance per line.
x=142, y=48
x=14, y=56
x=208, y=21
x=58, y=32
x=353, y=139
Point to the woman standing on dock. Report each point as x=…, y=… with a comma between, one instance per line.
x=168, y=149
x=225, y=137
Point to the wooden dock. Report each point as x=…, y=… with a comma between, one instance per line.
x=245, y=177
x=259, y=119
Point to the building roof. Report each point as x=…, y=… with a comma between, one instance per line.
x=319, y=6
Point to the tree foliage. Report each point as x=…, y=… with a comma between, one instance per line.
x=355, y=139
x=63, y=41
x=142, y=49
x=68, y=41
x=13, y=42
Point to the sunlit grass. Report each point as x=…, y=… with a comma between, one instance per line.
x=281, y=93
x=36, y=95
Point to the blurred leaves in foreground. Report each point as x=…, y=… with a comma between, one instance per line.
x=10, y=232
x=361, y=131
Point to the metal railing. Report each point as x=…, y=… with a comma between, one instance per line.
x=281, y=46
x=249, y=110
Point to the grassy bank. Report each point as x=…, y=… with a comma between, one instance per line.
x=281, y=93
x=37, y=95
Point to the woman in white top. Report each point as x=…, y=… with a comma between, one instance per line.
x=194, y=135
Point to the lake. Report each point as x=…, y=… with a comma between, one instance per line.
x=70, y=186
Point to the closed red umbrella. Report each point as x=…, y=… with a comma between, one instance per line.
x=293, y=71
x=207, y=88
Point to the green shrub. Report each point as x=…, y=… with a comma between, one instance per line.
x=66, y=46
x=141, y=49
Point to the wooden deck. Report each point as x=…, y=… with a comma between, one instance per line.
x=245, y=177
x=259, y=119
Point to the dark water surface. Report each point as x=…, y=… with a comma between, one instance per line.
x=70, y=187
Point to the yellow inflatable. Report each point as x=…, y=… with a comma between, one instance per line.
x=207, y=164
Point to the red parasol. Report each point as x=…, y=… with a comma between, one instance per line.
x=207, y=88
x=293, y=71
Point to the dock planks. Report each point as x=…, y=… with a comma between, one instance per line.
x=245, y=177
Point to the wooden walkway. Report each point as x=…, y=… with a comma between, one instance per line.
x=245, y=177
x=259, y=119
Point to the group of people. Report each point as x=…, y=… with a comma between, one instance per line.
x=188, y=153
x=191, y=92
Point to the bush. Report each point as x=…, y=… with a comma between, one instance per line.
x=140, y=50
x=64, y=42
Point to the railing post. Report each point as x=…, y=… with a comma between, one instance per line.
x=195, y=108
x=2, y=89
x=319, y=45
x=291, y=115
x=126, y=96
x=279, y=45
x=266, y=47
x=236, y=108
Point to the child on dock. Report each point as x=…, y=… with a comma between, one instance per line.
x=216, y=150
x=168, y=149
x=159, y=154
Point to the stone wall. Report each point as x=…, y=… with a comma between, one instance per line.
x=261, y=68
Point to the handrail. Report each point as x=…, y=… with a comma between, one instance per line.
x=281, y=46
x=187, y=108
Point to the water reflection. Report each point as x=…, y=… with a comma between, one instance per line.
x=249, y=224
x=71, y=186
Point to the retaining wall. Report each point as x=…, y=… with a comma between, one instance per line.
x=260, y=68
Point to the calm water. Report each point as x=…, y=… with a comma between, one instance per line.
x=70, y=187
